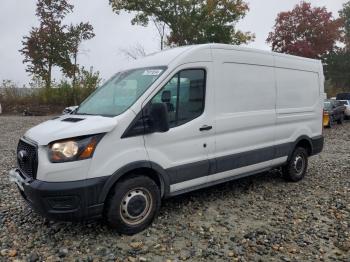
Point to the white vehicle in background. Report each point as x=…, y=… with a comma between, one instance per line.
x=346, y=103
x=169, y=123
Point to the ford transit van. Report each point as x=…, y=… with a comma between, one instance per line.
x=169, y=123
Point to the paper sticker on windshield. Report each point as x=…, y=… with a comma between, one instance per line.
x=155, y=72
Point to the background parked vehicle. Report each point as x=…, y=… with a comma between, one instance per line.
x=343, y=96
x=346, y=103
x=333, y=112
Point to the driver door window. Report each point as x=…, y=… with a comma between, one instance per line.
x=184, y=96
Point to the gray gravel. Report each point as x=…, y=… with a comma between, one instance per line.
x=258, y=218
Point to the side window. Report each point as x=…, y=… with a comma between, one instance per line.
x=184, y=96
x=168, y=95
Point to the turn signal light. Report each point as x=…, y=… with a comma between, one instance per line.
x=89, y=150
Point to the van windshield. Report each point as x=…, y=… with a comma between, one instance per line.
x=120, y=92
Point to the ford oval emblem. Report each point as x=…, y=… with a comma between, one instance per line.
x=22, y=155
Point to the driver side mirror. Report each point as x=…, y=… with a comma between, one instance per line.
x=159, y=121
x=70, y=110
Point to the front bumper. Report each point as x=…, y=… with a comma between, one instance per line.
x=65, y=201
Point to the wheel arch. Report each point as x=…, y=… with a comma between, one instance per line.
x=302, y=141
x=150, y=169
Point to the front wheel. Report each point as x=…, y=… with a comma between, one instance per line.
x=296, y=167
x=132, y=205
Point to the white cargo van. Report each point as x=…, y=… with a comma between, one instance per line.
x=169, y=123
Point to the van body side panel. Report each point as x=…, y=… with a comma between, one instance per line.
x=262, y=109
x=245, y=116
x=245, y=99
x=299, y=100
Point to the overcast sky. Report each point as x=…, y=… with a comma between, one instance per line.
x=114, y=32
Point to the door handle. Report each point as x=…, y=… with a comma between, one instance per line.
x=205, y=128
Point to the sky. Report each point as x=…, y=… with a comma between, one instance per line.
x=115, y=32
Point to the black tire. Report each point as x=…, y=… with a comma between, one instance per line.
x=341, y=119
x=132, y=204
x=296, y=167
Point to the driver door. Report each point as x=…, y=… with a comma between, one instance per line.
x=184, y=150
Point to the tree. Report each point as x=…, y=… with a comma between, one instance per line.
x=337, y=62
x=345, y=17
x=190, y=21
x=44, y=48
x=52, y=43
x=305, y=31
x=337, y=68
x=88, y=78
x=161, y=29
x=86, y=83
x=76, y=35
x=134, y=52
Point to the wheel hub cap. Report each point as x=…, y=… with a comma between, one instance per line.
x=299, y=164
x=135, y=206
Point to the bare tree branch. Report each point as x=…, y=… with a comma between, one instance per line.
x=135, y=52
x=160, y=26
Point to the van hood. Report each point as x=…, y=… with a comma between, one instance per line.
x=69, y=126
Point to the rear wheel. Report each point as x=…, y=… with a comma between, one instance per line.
x=132, y=205
x=296, y=168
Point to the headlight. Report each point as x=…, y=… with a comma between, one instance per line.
x=67, y=149
x=73, y=149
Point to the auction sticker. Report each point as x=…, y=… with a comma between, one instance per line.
x=155, y=72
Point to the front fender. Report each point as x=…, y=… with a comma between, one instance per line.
x=161, y=173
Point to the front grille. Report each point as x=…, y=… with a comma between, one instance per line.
x=27, y=158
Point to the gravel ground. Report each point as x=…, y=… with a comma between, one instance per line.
x=258, y=218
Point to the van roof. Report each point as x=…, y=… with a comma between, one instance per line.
x=254, y=50
x=165, y=57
